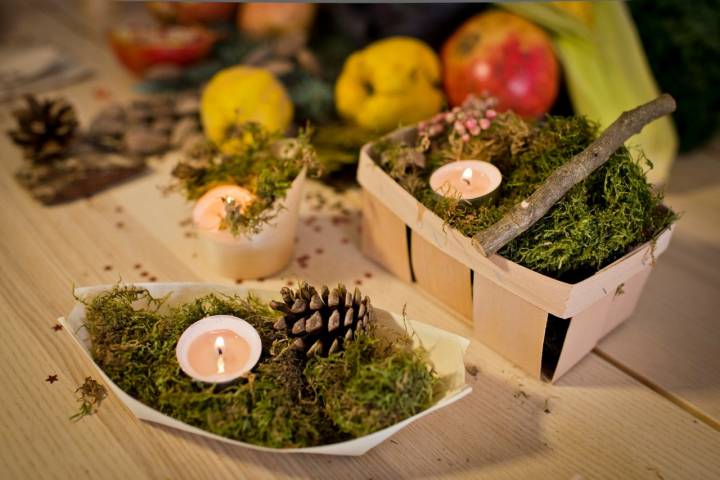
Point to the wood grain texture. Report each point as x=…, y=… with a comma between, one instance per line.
x=442, y=276
x=601, y=422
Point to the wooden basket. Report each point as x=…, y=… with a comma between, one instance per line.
x=543, y=325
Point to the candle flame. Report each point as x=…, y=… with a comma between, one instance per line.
x=219, y=345
x=467, y=175
x=229, y=200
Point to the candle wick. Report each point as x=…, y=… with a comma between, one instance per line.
x=220, y=352
x=466, y=180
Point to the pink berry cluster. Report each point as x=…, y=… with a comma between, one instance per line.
x=464, y=122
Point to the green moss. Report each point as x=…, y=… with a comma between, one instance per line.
x=281, y=404
x=595, y=223
x=375, y=383
x=263, y=162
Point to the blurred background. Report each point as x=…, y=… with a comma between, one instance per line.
x=594, y=59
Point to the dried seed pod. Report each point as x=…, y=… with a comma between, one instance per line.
x=323, y=321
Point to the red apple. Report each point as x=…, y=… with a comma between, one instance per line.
x=190, y=13
x=140, y=48
x=503, y=55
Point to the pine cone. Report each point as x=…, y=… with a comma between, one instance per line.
x=45, y=128
x=322, y=322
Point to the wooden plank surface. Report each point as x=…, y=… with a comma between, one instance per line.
x=673, y=339
x=598, y=422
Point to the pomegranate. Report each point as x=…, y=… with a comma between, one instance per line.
x=505, y=56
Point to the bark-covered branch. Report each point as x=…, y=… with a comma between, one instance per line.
x=523, y=215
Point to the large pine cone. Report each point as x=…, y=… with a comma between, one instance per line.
x=322, y=322
x=45, y=128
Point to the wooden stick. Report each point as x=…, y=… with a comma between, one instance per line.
x=524, y=215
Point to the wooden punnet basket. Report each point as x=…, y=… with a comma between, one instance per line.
x=543, y=325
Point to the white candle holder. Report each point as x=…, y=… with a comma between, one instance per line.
x=218, y=322
x=262, y=254
x=439, y=185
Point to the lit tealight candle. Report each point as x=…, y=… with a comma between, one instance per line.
x=209, y=210
x=247, y=255
x=472, y=180
x=218, y=349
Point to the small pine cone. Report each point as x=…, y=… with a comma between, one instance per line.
x=45, y=128
x=321, y=322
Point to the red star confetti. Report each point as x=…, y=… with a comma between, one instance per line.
x=238, y=281
x=102, y=93
x=319, y=251
x=152, y=278
x=144, y=274
x=368, y=275
x=57, y=327
x=137, y=266
x=358, y=282
x=107, y=268
x=51, y=379
x=318, y=229
x=344, y=240
x=119, y=209
x=120, y=224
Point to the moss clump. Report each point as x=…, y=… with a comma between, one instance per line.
x=595, y=223
x=375, y=383
x=263, y=162
x=284, y=403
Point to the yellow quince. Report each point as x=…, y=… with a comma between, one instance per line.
x=391, y=82
x=241, y=94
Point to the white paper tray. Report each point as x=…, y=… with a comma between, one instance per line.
x=445, y=351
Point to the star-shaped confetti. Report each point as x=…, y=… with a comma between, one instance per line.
x=51, y=379
x=57, y=327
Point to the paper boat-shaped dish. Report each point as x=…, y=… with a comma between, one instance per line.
x=445, y=351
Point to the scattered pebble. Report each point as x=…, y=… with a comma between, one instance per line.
x=188, y=104
x=183, y=130
x=143, y=141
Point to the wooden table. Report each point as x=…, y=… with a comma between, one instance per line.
x=644, y=404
